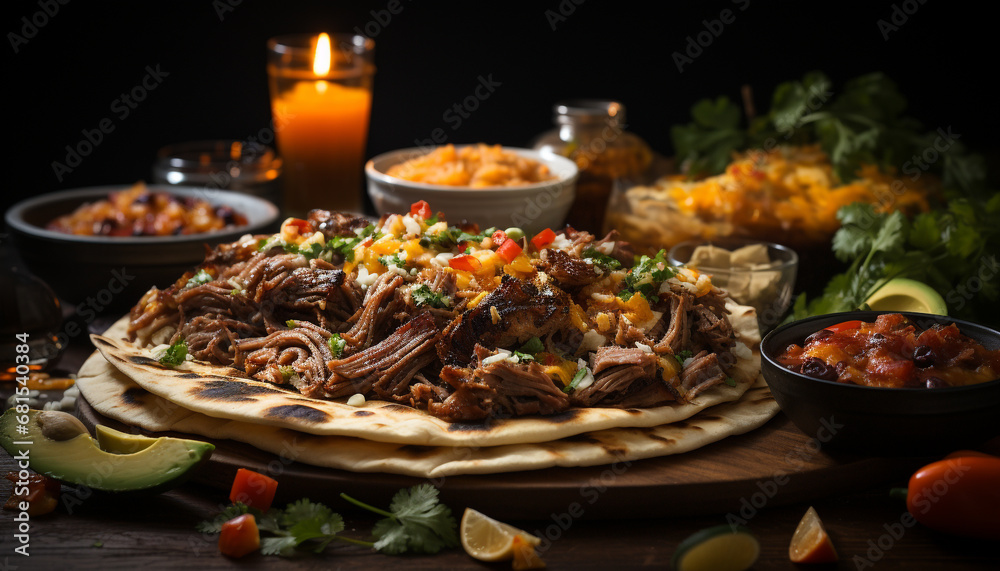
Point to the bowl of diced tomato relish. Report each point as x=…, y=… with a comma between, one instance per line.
x=492, y=185
x=887, y=382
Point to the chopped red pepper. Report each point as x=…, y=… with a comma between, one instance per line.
x=421, y=209
x=466, y=263
x=239, y=536
x=845, y=326
x=253, y=489
x=498, y=237
x=509, y=250
x=40, y=492
x=543, y=238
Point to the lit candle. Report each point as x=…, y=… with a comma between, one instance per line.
x=321, y=120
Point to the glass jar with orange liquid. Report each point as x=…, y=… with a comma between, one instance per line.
x=592, y=133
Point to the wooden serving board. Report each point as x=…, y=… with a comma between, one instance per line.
x=739, y=475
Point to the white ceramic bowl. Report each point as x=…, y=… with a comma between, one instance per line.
x=531, y=207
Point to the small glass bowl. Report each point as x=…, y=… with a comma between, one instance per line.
x=767, y=289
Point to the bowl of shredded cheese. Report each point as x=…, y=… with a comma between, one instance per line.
x=490, y=184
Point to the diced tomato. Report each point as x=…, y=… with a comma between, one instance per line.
x=253, y=489
x=239, y=536
x=466, y=263
x=845, y=326
x=543, y=238
x=498, y=237
x=39, y=491
x=509, y=250
x=421, y=209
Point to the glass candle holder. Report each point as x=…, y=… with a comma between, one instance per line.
x=225, y=164
x=321, y=109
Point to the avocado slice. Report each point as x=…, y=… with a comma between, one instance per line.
x=116, y=442
x=903, y=294
x=58, y=445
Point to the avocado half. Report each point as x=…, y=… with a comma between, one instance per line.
x=58, y=445
x=903, y=294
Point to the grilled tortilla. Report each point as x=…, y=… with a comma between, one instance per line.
x=115, y=395
x=226, y=393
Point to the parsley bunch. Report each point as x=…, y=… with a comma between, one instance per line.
x=862, y=123
x=953, y=250
x=416, y=523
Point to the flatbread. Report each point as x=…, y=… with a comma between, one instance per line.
x=223, y=393
x=113, y=394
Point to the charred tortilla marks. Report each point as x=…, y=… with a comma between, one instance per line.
x=134, y=395
x=190, y=376
x=232, y=391
x=363, y=413
x=469, y=426
x=143, y=361
x=417, y=451
x=297, y=411
x=562, y=417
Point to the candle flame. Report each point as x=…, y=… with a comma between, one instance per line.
x=321, y=60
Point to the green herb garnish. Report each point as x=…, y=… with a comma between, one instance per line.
x=682, y=356
x=175, y=354
x=580, y=374
x=647, y=275
x=337, y=345
x=416, y=523
x=423, y=295
x=532, y=346
x=861, y=123
x=200, y=278
x=949, y=249
x=602, y=260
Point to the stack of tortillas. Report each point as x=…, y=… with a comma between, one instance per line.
x=124, y=383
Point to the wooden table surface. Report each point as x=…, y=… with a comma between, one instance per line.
x=158, y=532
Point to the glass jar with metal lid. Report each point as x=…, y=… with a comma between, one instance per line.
x=592, y=133
x=241, y=166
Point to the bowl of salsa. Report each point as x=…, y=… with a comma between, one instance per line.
x=887, y=382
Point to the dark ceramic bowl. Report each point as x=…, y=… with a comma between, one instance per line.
x=877, y=420
x=112, y=272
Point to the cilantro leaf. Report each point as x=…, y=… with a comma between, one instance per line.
x=417, y=522
x=337, y=345
x=175, y=354
x=200, y=278
x=423, y=295
x=602, y=260
x=231, y=511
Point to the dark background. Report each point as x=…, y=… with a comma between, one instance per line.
x=65, y=77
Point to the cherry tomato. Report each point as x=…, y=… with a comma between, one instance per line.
x=466, y=263
x=239, y=536
x=421, y=209
x=253, y=489
x=543, y=238
x=499, y=237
